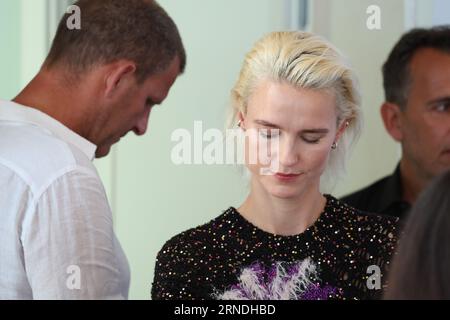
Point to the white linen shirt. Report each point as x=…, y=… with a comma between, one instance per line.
x=56, y=229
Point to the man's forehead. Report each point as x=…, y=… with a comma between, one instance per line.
x=430, y=61
x=430, y=70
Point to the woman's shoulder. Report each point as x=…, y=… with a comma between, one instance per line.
x=375, y=222
x=197, y=238
x=366, y=242
x=182, y=261
x=366, y=228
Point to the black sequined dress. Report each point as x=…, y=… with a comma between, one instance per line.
x=229, y=258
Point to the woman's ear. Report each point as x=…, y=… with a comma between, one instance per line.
x=118, y=73
x=341, y=129
x=241, y=120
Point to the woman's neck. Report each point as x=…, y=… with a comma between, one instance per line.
x=281, y=216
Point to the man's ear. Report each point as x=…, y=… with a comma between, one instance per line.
x=119, y=76
x=391, y=115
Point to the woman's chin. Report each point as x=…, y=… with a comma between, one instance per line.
x=283, y=192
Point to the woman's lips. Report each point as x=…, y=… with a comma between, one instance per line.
x=287, y=176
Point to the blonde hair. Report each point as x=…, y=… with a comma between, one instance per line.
x=308, y=61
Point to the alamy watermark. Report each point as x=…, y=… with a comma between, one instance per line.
x=374, y=280
x=373, y=22
x=212, y=146
x=73, y=281
x=73, y=22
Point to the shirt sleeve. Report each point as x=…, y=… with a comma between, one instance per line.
x=68, y=241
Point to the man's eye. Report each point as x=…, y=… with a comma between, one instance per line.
x=442, y=107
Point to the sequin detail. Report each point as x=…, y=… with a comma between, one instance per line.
x=343, y=243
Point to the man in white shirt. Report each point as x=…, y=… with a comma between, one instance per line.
x=97, y=84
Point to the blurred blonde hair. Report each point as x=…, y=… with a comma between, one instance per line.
x=308, y=61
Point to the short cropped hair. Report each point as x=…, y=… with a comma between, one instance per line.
x=396, y=70
x=137, y=30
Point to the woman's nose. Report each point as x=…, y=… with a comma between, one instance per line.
x=288, y=153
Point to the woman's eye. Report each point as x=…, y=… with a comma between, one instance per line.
x=312, y=141
x=268, y=134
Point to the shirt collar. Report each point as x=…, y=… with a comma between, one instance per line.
x=392, y=190
x=11, y=111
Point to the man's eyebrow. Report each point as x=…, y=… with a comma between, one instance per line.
x=439, y=100
x=271, y=125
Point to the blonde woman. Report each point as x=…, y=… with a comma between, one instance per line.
x=288, y=240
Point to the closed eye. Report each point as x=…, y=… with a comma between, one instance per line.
x=269, y=133
x=312, y=137
x=312, y=141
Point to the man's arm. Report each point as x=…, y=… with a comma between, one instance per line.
x=69, y=247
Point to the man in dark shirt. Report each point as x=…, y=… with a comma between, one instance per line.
x=416, y=114
x=384, y=196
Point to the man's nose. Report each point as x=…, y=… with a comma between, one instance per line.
x=141, y=126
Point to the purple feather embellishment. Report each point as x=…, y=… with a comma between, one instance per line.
x=283, y=281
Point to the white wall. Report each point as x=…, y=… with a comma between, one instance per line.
x=10, y=38
x=441, y=12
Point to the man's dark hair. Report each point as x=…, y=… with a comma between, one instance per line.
x=137, y=30
x=396, y=70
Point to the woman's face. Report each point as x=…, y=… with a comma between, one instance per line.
x=295, y=128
